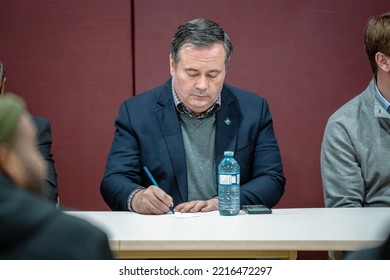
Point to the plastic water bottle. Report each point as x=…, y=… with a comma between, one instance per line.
x=228, y=185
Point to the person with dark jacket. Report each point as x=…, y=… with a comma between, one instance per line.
x=181, y=129
x=30, y=226
x=44, y=143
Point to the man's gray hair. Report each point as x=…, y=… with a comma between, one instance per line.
x=200, y=33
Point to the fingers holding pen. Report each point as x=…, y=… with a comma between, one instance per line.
x=162, y=196
x=152, y=200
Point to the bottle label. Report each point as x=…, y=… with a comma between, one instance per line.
x=229, y=179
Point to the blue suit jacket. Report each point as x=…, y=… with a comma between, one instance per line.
x=148, y=133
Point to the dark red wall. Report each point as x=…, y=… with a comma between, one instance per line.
x=306, y=57
x=73, y=62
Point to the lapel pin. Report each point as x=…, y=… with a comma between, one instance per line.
x=228, y=121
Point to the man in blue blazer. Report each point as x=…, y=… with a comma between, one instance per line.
x=181, y=129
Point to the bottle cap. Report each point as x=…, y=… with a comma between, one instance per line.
x=228, y=153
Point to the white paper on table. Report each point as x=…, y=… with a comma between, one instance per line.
x=184, y=215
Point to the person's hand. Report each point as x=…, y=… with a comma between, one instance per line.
x=151, y=200
x=198, y=206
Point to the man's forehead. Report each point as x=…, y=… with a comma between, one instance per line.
x=209, y=55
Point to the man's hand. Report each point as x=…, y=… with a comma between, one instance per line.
x=198, y=206
x=151, y=200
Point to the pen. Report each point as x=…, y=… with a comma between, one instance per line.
x=155, y=183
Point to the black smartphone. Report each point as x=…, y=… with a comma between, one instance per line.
x=256, y=209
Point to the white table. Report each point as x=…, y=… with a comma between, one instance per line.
x=209, y=235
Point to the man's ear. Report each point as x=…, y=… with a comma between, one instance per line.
x=171, y=65
x=383, y=61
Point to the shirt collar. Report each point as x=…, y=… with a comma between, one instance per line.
x=183, y=109
x=382, y=101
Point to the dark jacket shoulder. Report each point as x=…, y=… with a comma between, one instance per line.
x=32, y=228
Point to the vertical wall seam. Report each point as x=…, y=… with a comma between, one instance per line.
x=132, y=28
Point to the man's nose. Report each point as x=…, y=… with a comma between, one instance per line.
x=202, y=83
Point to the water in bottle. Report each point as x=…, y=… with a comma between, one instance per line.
x=228, y=185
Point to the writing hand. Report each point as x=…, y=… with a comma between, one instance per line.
x=151, y=200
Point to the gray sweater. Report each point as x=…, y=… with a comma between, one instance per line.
x=199, y=143
x=355, y=155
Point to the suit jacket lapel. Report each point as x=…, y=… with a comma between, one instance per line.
x=227, y=124
x=170, y=127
